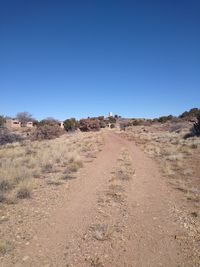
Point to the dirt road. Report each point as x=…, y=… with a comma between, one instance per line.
x=117, y=212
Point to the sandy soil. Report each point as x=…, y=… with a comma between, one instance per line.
x=101, y=219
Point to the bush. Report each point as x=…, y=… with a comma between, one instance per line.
x=112, y=120
x=23, y=192
x=86, y=125
x=5, y=185
x=47, y=131
x=2, y=120
x=112, y=125
x=136, y=122
x=196, y=127
x=102, y=124
x=164, y=119
x=70, y=124
x=7, y=137
x=194, y=112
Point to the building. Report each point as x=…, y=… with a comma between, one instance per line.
x=61, y=124
x=13, y=123
x=29, y=124
x=110, y=114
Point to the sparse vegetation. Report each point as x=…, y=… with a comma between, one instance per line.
x=5, y=247
x=102, y=232
x=24, y=191
x=22, y=162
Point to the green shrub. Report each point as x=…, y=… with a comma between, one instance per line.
x=102, y=124
x=70, y=124
x=111, y=120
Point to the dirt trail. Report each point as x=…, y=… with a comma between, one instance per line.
x=106, y=221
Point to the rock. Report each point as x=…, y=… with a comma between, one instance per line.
x=25, y=258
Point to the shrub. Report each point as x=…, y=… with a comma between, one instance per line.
x=86, y=125
x=2, y=120
x=194, y=112
x=112, y=125
x=122, y=127
x=5, y=247
x=164, y=119
x=47, y=131
x=7, y=137
x=136, y=122
x=70, y=124
x=112, y=119
x=24, y=191
x=5, y=185
x=2, y=197
x=102, y=124
x=196, y=127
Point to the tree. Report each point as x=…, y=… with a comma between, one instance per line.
x=194, y=112
x=70, y=124
x=24, y=117
x=112, y=120
x=49, y=121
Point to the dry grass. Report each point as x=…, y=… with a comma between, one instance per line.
x=102, y=232
x=5, y=247
x=178, y=156
x=95, y=262
x=179, y=161
x=21, y=163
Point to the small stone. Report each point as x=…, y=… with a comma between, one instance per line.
x=25, y=258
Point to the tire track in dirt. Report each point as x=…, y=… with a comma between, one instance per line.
x=117, y=213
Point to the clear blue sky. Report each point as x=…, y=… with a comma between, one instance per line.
x=86, y=58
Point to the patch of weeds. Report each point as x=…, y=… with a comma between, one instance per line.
x=194, y=146
x=53, y=182
x=30, y=151
x=19, y=179
x=24, y=191
x=47, y=168
x=95, y=262
x=10, y=201
x=68, y=176
x=194, y=214
x=73, y=167
x=5, y=185
x=102, y=232
x=5, y=247
x=3, y=219
x=2, y=198
x=115, y=192
x=122, y=175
